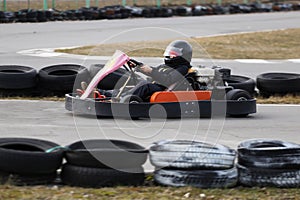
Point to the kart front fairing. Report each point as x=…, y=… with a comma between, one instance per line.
x=118, y=60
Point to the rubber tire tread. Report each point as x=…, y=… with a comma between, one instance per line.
x=235, y=94
x=184, y=154
x=131, y=99
x=266, y=177
x=55, y=78
x=197, y=178
x=278, y=83
x=106, y=154
x=27, y=179
x=17, y=77
x=15, y=160
x=268, y=153
x=241, y=82
x=100, y=177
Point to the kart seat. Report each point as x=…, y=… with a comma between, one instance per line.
x=185, y=83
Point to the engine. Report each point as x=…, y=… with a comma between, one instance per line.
x=206, y=78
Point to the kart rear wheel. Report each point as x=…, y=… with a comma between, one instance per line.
x=238, y=95
x=131, y=99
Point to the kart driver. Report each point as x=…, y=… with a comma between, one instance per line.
x=177, y=59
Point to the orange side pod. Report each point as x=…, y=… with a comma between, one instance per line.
x=180, y=96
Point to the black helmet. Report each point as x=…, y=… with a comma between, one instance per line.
x=179, y=48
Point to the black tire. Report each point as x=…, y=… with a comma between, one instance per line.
x=131, y=99
x=278, y=83
x=183, y=154
x=106, y=154
x=17, y=77
x=27, y=179
x=241, y=82
x=266, y=153
x=114, y=80
x=29, y=156
x=63, y=77
x=264, y=177
x=197, y=178
x=99, y=177
x=225, y=72
x=238, y=95
x=95, y=68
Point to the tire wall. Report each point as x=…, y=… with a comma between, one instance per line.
x=60, y=79
x=255, y=163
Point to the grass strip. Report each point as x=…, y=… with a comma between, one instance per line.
x=277, y=44
x=151, y=192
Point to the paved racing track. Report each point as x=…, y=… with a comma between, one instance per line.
x=49, y=120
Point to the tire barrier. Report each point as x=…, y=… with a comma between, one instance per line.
x=260, y=163
x=55, y=80
x=101, y=177
x=192, y=163
x=62, y=78
x=98, y=163
x=191, y=154
x=273, y=163
x=106, y=154
x=122, y=12
x=205, y=178
x=26, y=161
x=241, y=82
x=278, y=83
x=26, y=80
x=25, y=75
x=27, y=179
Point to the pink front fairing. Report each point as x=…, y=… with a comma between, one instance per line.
x=118, y=60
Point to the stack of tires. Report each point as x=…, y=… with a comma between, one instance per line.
x=192, y=163
x=265, y=162
x=237, y=81
x=27, y=161
x=241, y=82
x=102, y=163
x=53, y=80
x=17, y=80
x=61, y=79
x=278, y=83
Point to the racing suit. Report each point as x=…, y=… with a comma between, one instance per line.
x=163, y=77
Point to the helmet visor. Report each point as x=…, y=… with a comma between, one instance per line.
x=173, y=51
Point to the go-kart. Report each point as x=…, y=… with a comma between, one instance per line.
x=201, y=93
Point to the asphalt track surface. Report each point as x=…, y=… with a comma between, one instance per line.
x=49, y=120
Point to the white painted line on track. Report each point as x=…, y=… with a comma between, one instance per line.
x=278, y=105
x=254, y=61
x=294, y=60
x=28, y=101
